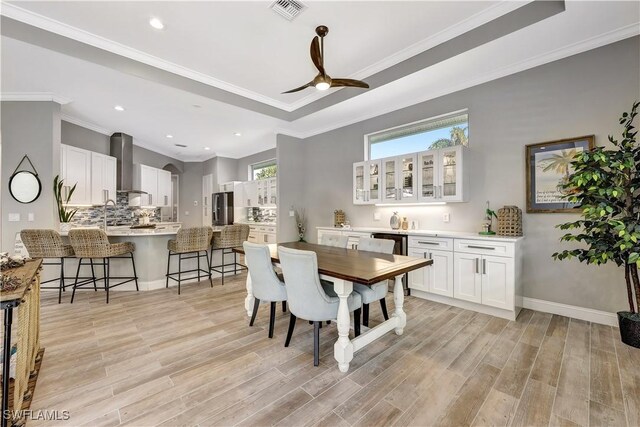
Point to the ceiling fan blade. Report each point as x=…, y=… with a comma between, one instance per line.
x=316, y=55
x=348, y=83
x=300, y=88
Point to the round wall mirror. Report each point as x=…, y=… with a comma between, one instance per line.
x=25, y=186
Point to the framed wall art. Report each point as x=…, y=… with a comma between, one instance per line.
x=548, y=166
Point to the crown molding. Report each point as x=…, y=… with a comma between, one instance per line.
x=555, y=55
x=34, y=19
x=34, y=96
x=85, y=124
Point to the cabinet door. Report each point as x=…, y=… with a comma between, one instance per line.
x=450, y=174
x=359, y=189
x=109, y=177
x=427, y=175
x=418, y=278
x=440, y=273
x=164, y=188
x=467, y=280
x=207, y=190
x=77, y=171
x=98, y=166
x=273, y=191
x=269, y=238
x=390, y=191
x=149, y=184
x=498, y=281
x=406, y=178
x=372, y=181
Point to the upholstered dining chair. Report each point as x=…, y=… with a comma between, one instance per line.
x=377, y=291
x=266, y=284
x=307, y=298
x=335, y=240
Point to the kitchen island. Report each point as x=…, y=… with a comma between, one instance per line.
x=150, y=257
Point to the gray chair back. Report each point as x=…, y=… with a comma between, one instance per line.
x=335, y=240
x=306, y=297
x=265, y=282
x=383, y=246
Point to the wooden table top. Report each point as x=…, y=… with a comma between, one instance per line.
x=353, y=265
x=26, y=273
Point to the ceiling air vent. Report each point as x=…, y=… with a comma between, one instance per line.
x=180, y=145
x=288, y=9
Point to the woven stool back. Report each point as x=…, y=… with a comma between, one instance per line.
x=45, y=244
x=89, y=243
x=231, y=236
x=193, y=239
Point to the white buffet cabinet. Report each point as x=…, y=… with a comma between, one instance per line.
x=262, y=234
x=480, y=273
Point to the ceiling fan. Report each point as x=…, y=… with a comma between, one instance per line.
x=323, y=81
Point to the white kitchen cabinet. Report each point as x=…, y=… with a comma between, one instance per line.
x=467, y=283
x=207, y=191
x=250, y=194
x=164, y=189
x=436, y=278
x=155, y=182
x=75, y=169
x=366, y=182
x=353, y=237
x=399, y=184
x=441, y=175
x=272, y=192
x=103, y=178
x=262, y=234
x=498, y=281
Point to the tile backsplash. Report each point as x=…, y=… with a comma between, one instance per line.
x=262, y=214
x=121, y=214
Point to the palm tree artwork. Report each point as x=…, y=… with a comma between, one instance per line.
x=561, y=164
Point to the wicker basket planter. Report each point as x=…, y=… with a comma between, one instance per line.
x=510, y=221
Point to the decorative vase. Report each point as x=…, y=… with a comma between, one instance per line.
x=394, y=222
x=65, y=227
x=405, y=223
x=629, y=328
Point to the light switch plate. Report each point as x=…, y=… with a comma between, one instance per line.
x=186, y=213
x=292, y=213
x=195, y=203
x=377, y=216
x=31, y=217
x=14, y=217
x=446, y=217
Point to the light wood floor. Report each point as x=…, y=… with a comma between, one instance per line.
x=153, y=358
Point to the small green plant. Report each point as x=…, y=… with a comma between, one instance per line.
x=64, y=214
x=605, y=183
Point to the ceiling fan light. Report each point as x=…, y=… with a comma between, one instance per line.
x=322, y=86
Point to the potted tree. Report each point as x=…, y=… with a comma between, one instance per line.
x=64, y=213
x=606, y=185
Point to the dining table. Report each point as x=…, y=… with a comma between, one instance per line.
x=344, y=267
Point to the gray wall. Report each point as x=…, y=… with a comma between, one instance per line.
x=31, y=128
x=292, y=185
x=190, y=194
x=88, y=139
x=244, y=163
x=579, y=95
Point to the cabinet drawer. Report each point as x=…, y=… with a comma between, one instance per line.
x=252, y=238
x=356, y=235
x=423, y=242
x=505, y=249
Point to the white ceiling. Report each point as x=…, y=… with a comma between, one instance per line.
x=153, y=109
x=245, y=47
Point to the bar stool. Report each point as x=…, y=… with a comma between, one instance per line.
x=189, y=241
x=231, y=236
x=93, y=243
x=48, y=244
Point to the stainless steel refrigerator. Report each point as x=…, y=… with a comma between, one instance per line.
x=222, y=205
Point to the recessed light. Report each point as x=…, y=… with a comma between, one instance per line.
x=156, y=23
x=169, y=136
x=118, y=108
x=207, y=148
x=237, y=134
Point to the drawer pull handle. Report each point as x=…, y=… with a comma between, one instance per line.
x=477, y=266
x=430, y=243
x=481, y=247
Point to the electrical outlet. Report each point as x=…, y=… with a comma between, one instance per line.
x=14, y=217
x=31, y=217
x=377, y=216
x=195, y=203
x=186, y=213
x=446, y=217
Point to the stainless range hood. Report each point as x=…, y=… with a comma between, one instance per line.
x=122, y=149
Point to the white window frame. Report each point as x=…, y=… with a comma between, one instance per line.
x=262, y=163
x=367, y=143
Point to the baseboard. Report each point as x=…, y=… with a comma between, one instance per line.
x=582, y=313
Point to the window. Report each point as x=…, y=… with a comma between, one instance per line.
x=438, y=132
x=264, y=170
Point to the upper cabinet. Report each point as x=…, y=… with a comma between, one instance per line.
x=366, y=182
x=428, y=176
x=262, y=193
x=164, y=188
x=153, y=181
x=103, y=178
x=75, y=169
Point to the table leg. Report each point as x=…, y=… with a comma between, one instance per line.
x=398, y=298
x=343, y=348
x=8, y=318
x=249, y=300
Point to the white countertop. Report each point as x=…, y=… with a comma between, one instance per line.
x=125, y=230
x=258, y=224
x=430, y=233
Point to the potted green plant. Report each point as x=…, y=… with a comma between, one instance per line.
x=65, y=214
x=605, y=184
